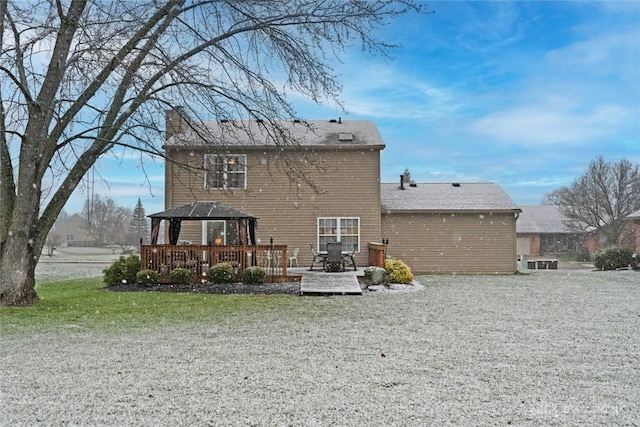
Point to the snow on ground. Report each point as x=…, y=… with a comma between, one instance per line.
x=546, y=348
x=75, y=263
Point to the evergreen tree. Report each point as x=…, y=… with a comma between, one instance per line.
x=138, y=227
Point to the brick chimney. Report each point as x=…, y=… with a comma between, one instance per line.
x=175, y=122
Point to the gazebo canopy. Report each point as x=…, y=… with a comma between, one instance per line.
x=199, y=211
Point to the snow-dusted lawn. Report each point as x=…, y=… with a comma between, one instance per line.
x=548, y=348
x=74, y=263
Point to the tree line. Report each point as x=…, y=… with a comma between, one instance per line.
x=107, y=223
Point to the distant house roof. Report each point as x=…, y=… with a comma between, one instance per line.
x=445, y=197
x=201, y=210
x=635, y=215
x=542, y=219
x=254, y=133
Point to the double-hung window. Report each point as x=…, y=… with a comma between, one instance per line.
x=225, y=170
x=339, y=229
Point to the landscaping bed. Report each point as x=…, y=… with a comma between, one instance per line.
x=290, y=288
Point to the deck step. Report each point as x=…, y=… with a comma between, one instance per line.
x=322, y=284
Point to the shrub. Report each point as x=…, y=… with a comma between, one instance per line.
x=253, y=276
x=376, y=275
x=124, y=269
x=147, y=277
x=222, y=273
x=583, y=255
x=612, y=258
x=180, y=275
x=399, y=272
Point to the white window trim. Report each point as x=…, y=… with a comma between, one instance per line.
x=338, y=236
x=225, y=178
x=204, y=230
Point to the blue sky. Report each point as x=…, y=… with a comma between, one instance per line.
x=523, y=94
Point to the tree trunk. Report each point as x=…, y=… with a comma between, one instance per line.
x=17, y=272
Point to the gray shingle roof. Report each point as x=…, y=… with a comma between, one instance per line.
x=252, y=133
x=541, y=219
x=634, y=215
x=445, y=197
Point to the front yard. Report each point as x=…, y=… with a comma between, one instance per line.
x=546, y=348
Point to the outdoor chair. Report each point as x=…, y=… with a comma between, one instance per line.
x=271, y=259
x=318, y=260
x=335, y=261
x=293, y=257
x=349, y=260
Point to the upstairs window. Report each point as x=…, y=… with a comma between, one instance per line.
x=225, y=170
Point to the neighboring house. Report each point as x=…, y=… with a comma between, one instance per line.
x=246, y=171
x=73, y=232
x=450, y=227
x=634, y=218
x=542, y=231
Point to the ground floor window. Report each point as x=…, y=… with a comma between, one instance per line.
x=556, y=244
x=339, y=229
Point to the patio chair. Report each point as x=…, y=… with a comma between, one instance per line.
x=335, y=261
x=349, y=260
x=293, y=257
x=318, y=260
x=271, y=259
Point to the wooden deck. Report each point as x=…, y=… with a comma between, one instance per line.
x=199, y=258
x=320, y=283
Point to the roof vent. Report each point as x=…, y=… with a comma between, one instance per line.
x=345, y=136
x=456, y=184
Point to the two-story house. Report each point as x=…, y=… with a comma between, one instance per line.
x=240, y=165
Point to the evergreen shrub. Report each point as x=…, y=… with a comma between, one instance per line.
x=399, y=272
x=222, y=273
x=583, y=255
x=123, y=270
x=254, y=276
x=612, y=258
x=147, y=277
x=180, y=276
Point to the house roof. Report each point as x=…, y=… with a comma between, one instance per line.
x=542, y=219
x=445, y=197
x=201, y=210
x=253, y=133
x=634, y=215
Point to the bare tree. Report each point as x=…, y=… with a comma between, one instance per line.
x=50, y=244
x=83, y=78
x=105, y=220
x=601, y=198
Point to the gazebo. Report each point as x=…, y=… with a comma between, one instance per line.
x=202, y=211
x=164, y=258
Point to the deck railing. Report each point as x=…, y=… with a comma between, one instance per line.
x=199, y=258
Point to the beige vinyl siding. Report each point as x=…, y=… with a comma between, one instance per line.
x=347, y=180
x=452, y=242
